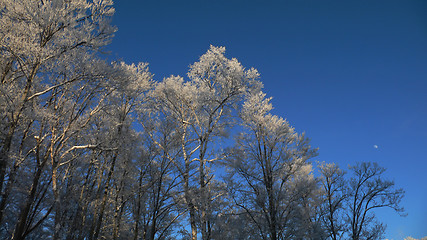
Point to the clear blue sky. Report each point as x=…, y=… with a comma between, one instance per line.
x=351, y=74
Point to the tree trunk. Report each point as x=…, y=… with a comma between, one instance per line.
x=117, y=219
x=19, y=232
x=120, y=203
x=193, y=222
x=98, y=222
x=4, y=159
x=7, y=190
x=272, y=210
x=78, y=221
x=191, y=207
x=138, y=207
x=57, y=200
x=203, y=200
x=204, y=192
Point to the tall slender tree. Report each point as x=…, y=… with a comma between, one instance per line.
x=335, y=194
x=202, y=108
x=265, y=164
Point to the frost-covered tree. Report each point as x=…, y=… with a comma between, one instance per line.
x=221, y=83
x=55, y=94
x=202, y=109
x=115, y=137
x=98, y=150
x=157, y=204
x=40, y=42
x=172, y=99
x=61, y=119
x=268, y=168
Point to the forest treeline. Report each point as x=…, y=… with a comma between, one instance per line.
x=91, y=149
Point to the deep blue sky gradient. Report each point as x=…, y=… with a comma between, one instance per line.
x=351, y=74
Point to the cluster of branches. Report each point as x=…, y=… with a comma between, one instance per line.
x=98, y=150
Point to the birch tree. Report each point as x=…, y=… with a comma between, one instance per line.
x=202, y=108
